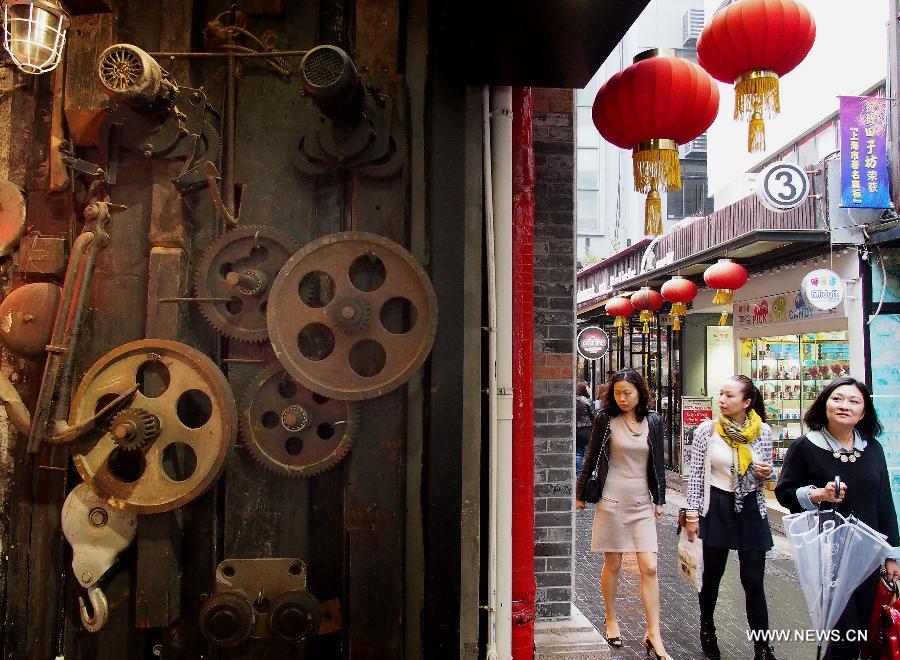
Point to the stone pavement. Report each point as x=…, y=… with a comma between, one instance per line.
x=680, y=611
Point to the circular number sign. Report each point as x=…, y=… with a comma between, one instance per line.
x=783, y=186
x=593, y=343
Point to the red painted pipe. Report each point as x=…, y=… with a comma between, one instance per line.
x=523, y=585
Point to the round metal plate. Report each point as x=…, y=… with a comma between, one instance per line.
x=27, y=316
x=325, y=343
x=198, y=424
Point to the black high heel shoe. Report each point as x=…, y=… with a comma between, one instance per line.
x=652, y=649
x=709, y=645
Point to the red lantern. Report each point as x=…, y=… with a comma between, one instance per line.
x=651, y=107
x=752, y=43
x=647, y=301
x=621, y=308
x=725, y=276
x=679, y=291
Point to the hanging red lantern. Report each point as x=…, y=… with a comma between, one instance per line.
x=725, y=276
x=651, y=107
x=751, y=44
x=647, y=301
x=621, y=308
x=679, y=291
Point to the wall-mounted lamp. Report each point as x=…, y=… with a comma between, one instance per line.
x=34, y=33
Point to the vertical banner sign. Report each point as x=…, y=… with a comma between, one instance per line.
x=864, y=166
x=694, y=411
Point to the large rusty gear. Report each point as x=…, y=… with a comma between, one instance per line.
x=133, y=428
x=194, y=404
x=241, y=265
x=352, y=315
x=292, y=431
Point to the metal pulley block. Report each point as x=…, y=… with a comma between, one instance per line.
x=352, y=315
x=170, y=444
x=98, y=533
x=234, y=278
x=293, y=431
x=27, y=316
x=263, y=598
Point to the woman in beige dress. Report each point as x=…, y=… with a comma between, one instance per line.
x=626, y=449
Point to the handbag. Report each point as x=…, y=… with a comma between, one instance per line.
x=690, y=560
x=592, y=487
x=883, y=635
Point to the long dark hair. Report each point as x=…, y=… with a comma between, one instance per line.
x=751, y=393
x=816, y=417
x=581, y=389
x=611, y=408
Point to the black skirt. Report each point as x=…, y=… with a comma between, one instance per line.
x=723, y=527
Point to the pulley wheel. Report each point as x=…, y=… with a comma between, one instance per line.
x=352, y=315
x=197, y=422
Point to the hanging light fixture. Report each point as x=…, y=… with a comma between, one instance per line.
x=725, y=277
x=34, y=33
x=648, y=302
x=619, y=307
x=679, y=291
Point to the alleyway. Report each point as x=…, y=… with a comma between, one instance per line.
x=680, y=616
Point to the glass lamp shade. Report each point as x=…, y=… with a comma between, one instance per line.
x=34, y=33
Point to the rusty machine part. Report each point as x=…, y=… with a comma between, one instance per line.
x=26, y=318
x=12, y=216
x=354, y=127
x=352, y=315
x=293, y=431
x=236, y=272
x=179, y=427
x=42, y=256
x=97, y=534
x=262, y=598
x=151, y=115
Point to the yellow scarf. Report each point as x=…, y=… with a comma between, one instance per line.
x=739, y=438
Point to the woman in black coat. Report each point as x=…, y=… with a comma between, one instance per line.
x=842, y=443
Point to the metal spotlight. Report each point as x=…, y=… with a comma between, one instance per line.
x=34, y=33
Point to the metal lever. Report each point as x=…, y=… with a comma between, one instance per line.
x=97, y=533
x=94, y=622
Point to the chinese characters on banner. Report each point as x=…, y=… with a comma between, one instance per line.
x=864, y=166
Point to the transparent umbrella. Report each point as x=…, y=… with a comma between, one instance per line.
x=833, y=555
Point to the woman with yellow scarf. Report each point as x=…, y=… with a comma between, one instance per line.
x=730, y=459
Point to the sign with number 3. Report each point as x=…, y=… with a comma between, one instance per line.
x=783, y=186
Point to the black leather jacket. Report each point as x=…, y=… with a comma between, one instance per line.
x=656, y=471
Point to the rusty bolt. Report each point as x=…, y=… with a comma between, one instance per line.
x=28, y=318
x=13, y=377
x=124, y=430
x=348, y=312
x=86, y=577
x=98, y=517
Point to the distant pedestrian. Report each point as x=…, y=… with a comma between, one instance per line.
x=842, y=442
x=632, y=491
x=584, y=421
x=730, y=460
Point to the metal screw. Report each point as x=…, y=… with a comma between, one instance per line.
x=28, y=318
x=98, y=517
x=87, y=577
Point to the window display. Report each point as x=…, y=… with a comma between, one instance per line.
x=790, y=371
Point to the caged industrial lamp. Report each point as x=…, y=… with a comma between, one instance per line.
x=34, y=33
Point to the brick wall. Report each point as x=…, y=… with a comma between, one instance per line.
x=554, y=361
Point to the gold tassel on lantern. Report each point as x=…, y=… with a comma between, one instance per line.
x=756, y=97
x=645, y=318
x=723, y=320
x=620, y=323
x=678, y=310
x=723, y=297
x=653, y=213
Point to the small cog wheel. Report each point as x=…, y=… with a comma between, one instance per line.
x=133, y=428
x=293, y=431
x=239, y=268
x=351, y=313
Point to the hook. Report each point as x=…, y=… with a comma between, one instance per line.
x=93, y=623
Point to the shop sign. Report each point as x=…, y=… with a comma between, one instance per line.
x=593, y=343
x=694, y=411
x=822, y=289
x=780, y=308
x=783, y=186
x=864, y=164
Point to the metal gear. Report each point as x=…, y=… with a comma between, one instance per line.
x=241, y=265
x=293, y=431
x=195, y=406
x=352, y=315
x=133, y=428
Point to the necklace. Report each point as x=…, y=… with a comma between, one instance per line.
x=843, y=455
x=634, y=433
